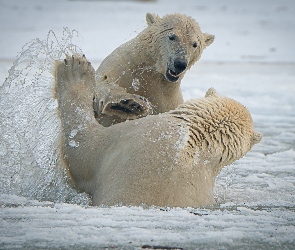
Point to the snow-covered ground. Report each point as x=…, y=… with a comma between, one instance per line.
x=252, y=60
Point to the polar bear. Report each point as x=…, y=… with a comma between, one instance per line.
x=152, y=65
x=169, y=159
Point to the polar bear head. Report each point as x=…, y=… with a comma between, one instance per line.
x=221, y=129
x=177, y=42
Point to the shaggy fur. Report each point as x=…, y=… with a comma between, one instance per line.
x=169, y=159
x=154, y=62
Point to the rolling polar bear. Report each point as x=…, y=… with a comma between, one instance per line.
x=149, y=66
x=170, y=159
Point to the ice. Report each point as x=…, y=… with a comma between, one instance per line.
x=73, y=144
x=135, y=84
x=75, y=227
x=251, y=60
x=73, y=133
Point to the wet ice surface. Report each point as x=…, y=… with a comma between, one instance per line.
x=247, y=62
x=29, y=223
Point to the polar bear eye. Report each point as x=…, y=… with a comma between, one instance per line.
x=195, y=44
x=172, y=37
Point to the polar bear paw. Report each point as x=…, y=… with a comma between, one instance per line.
x=75, y=73
x=137, y=105
x=125, y=106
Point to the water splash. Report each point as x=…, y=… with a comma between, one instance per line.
x=30, y=163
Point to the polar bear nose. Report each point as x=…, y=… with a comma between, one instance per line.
x=180, y=65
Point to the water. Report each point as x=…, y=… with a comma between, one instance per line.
x=30, y=124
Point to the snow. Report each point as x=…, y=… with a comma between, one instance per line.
x=252, y=61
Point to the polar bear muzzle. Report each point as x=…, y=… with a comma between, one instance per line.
x=172, y=76
x=179, y=66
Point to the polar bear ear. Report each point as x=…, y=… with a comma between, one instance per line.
x=211, y=92
x=256, y=138
x=208, y=39
x=152, y=18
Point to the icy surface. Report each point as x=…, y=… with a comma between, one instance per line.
x=252, y=60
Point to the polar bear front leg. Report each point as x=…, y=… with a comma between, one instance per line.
x=112, y=104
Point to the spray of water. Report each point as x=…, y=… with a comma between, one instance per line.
x=29, y=133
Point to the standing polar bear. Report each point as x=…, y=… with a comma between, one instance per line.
x=168, y=159
x=151, y=66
